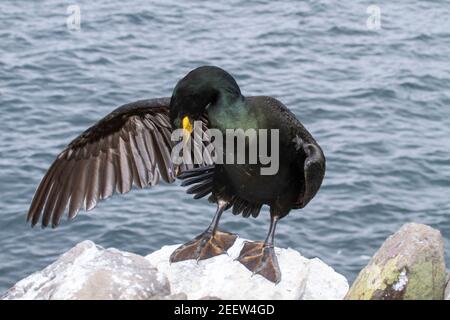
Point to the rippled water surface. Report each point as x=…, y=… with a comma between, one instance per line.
x=377, y=101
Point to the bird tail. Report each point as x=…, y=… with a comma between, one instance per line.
x=200, y=179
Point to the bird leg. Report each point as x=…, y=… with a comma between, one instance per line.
x=259, y=257
x=210, y=243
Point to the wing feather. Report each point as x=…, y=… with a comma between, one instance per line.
x=130, y=146
x=314, y=172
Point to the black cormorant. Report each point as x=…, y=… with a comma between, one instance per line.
x=132, y=146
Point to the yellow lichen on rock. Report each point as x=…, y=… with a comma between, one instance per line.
x=409, y=265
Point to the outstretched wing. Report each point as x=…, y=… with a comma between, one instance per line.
x=131, y=145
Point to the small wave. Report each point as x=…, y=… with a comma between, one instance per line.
x=340, y=30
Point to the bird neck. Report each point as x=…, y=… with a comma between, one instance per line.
x=230, y=112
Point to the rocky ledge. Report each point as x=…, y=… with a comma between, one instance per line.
x=409, y=265
x=89, y=271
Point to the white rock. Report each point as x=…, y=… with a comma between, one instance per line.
x=88, y=271
x=225, y=278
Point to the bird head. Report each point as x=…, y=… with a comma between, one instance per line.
x=199, y=89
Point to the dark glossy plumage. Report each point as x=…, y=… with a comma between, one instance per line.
x=297, y=145
x=132, y=146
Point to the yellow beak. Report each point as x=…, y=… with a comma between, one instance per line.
x=187, y=129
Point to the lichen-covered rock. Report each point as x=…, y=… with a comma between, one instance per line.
x=447, y=290
x=409, y=265
x=224, y=278
x=88, y=271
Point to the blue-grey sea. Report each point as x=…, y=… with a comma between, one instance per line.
x=375, y=96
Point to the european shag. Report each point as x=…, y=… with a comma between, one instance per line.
x=132, y=146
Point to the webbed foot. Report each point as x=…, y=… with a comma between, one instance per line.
x=204, y=246
x=260, y=258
